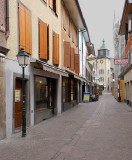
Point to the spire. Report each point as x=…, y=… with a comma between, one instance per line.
x=103, y=45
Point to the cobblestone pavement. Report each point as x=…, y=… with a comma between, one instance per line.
x=90, y=131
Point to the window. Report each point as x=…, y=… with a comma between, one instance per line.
x=25, y=29
x=53, y=4
x=101, y=71
x=41, y=93
x=44, y=1
x=43, y=40
x=102, y=79
x=55, y=48
x=68, y=24
x=64, y=17
x=72, y=26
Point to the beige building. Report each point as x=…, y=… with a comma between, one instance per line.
x=52, y=77
x=104, y=68
x=36, y=27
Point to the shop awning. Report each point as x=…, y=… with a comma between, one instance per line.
x=49, y=68
x=76, y=76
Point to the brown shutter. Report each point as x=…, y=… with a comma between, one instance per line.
x=43, y=40
x=22, y=24
x=45, y=1
x=51, y=4
x=67, y=62
x=57, y=7
x=28, y=32
x=25, y=29
x=72, y=59
x=48, y=42
x=56, y=48
x=77, y=64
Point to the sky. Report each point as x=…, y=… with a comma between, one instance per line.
x=99, y=17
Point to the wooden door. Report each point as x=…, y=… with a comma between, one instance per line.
x=18, y=104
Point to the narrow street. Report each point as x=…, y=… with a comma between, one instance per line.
x=90, y=131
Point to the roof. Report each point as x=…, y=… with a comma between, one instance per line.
x=103, y=45
x=75, y=12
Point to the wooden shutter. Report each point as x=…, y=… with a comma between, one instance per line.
x=77, y=64
x=25, y=29
x=56, y=48
x=72, y=59
x=43, y=40
x=22, y=29
x=67, y=57
x=48, y=42
x=57, y=7
x=51, y=4
x=45, y=1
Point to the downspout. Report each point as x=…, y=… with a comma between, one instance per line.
x=7, y=18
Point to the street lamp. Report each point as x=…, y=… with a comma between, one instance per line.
x=23, y=59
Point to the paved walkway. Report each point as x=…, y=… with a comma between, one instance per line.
x=90, y=131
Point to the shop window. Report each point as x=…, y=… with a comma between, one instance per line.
x=65, y=87
x=72, y=90
x=24, y=29
x=41, y=93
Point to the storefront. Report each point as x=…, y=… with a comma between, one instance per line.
x=45, y=98
x=47, y=90
x=69, y=92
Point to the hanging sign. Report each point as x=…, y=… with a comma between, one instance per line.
x=121, y=61
x=17, y=95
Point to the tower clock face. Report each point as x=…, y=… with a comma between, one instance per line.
x=101, y=61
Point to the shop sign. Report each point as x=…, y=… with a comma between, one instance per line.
x=86, y=97
x=121, y=61
x=17, y=95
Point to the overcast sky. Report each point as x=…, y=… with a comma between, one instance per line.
x=99, y=15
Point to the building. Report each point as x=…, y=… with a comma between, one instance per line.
x=4, y=33
x=74, y=35
x=104, y=67
x=119, y=47
x=48, y=31
x=126, y=29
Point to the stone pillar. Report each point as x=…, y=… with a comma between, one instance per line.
x=78, y=91
x=2, y=98
x=80, y=97
x=59, y=95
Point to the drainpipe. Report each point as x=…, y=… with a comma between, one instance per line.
x=7, y=18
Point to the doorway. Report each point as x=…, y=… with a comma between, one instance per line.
x=18, y=104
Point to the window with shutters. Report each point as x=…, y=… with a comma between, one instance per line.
x=68, y=25
x=64, y=17
x=45, y=1
x=72, y=59
x=55, y=49
x=67, y=54
x=43, y=41
x=77, y=64
x=24, y=29
x=53, y=4
x=76, y=32
x=73, y=32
